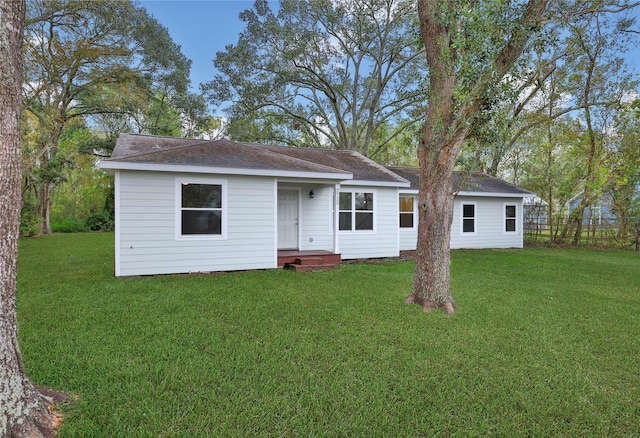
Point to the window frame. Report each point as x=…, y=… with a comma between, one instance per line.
x=505, y=218
x=353, y=210
x=406, y=213
x=474, y=218
x=179, y=182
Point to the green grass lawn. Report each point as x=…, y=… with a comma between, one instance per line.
x=544, y=343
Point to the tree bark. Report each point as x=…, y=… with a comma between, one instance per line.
x=437, y=155
x=23, y=410
x=449, y=121
x=431, y=278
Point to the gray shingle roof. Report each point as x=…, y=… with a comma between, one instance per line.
x=204, y=153
x=465, y=182
x=147, y=149
x=221, y=154
x=362, y=168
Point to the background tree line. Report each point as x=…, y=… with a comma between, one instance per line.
x=94, y=69
x=333, y=74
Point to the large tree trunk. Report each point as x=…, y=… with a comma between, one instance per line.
x=437, y=155
x=431, y=286
x=23, y=410
x=447, y=126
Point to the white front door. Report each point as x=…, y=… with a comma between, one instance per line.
x=287, y=219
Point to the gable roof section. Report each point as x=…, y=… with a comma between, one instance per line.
x=145, y=152
x=468, y=183
x=362, y=168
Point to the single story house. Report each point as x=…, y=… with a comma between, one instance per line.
x=187, y=205
x=487, y=211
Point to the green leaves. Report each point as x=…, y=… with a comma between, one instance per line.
x=337, y=70
x=101, y=63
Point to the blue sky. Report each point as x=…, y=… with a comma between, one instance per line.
x=204, y=27
x=201, y=28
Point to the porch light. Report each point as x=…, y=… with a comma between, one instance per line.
x=311, y=194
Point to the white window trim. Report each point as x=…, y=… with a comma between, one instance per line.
x=504, y=218
x=178, y=208
x=475, y=218
x=353, y=192
x=415, y=212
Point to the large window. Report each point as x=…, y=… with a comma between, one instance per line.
x=510, y=216
x=407, y=214
x=356, y=211
x=200, y=207
x=469, y=218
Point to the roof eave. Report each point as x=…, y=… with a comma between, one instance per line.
x=496, y=194
x=358, y=182
x=478, y=194
x=181, y=168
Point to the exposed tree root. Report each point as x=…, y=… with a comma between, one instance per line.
x=42, y=419
x=448, y=306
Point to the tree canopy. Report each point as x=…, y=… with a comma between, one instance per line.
x=338, y=74
x=480, y=52
x=99, y=63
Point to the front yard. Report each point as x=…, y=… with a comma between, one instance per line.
x=544, y=343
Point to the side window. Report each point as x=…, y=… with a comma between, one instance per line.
x=406, y=212
x=346, y=213
x=510, y=213
x=364, y=211
x=468, y=218
x=200, y=208
x=355, y=211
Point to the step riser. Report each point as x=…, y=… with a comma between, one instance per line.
x=309, y=261
x=312, y=259
x=308, y=268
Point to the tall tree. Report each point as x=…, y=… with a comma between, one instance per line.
x=598, y=84
x=88, y=57
x=471, y=46
x=604, y=29
x=623, y=186
x=23, y=410
x=550, y=166
x=325, y=73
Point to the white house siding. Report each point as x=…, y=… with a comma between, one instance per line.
x=316, y=218
x=408, y=239
x=147, y=229
x=383, y=241
x=489, y=226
